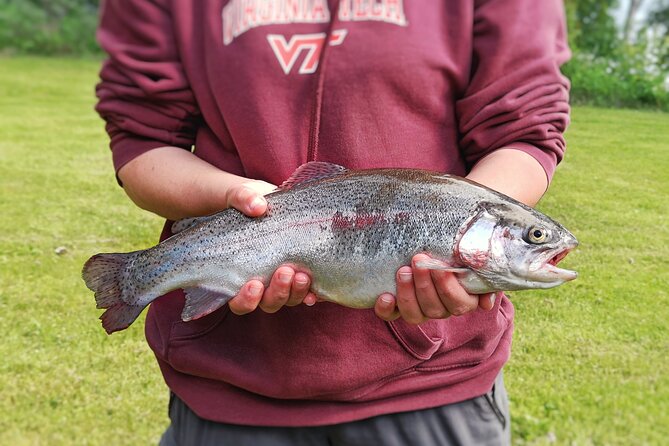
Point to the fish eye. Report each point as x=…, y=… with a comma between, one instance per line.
x=537, y=235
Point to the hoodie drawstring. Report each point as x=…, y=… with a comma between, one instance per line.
x=317, y=108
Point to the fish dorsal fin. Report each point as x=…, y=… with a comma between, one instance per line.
x=312, y=171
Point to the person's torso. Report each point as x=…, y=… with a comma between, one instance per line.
x=384, y=96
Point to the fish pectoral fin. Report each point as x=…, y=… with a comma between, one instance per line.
x=200, y=301
x=440, y=266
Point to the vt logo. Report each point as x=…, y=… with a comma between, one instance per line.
x=288, y=52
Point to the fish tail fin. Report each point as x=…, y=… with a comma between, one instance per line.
x=119, y=317
x=103, y=274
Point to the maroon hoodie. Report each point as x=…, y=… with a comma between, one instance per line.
x=259, y=87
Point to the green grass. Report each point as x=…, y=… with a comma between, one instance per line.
x=62, y=380
x=590, y=359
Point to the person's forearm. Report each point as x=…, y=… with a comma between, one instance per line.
x=174, y=183
x=512, y=172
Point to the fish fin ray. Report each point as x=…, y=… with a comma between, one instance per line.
x=312, y=171
x=200, y=301
x=103, y=274
x=440, y=266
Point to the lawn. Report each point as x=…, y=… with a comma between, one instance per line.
x=590, y=359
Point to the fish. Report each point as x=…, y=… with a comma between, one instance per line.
x=350, y=230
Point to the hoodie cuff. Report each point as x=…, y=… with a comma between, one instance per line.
x=125, y=147
x=547, y=159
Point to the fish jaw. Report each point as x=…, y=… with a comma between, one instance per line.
x=544, y=270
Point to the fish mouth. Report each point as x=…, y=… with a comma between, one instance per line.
x=546, y=269
x=563, y=274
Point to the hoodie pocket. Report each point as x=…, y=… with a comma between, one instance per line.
x=325, y=352
x=468, y=340
x=415, y=340
x=184, y=331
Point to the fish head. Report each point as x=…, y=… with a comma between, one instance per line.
x=514, y=247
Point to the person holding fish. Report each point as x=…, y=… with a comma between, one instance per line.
x=211, y=105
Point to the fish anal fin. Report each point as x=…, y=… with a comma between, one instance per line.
x=312, y=171
x=440, y=265
x=200, y=301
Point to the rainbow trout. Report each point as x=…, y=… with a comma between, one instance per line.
x=351, y=230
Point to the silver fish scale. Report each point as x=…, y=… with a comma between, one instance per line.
x=352, y=231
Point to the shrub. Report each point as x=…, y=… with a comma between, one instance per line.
x=48, y=26
x=624, y=80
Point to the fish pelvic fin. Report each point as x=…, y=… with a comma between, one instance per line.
x=103, y=274
x=200, y=301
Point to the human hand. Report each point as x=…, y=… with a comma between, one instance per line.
x=424, y=294
x=287, y=287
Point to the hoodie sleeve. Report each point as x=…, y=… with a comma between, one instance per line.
x=143, y=94
x=517, y=96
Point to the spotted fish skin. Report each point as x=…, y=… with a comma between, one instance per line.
x=351, y=230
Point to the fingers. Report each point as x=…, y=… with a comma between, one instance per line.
x=286, y=287
x=407, y=296
x=487, y=301
x=424, y=294
x=310, y=300
x=278, y=291
x=247, y=199
x=428, y=295
x=455, y=299
x=385, y=307
x=299, y=290
x=248, y=298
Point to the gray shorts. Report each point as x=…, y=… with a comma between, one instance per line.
x=480, y=421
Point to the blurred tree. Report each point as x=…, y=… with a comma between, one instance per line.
x=629, y=18
x=609, y=70
x=658, y=20
x=593, y=27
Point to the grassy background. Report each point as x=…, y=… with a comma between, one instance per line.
x=590, y=359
